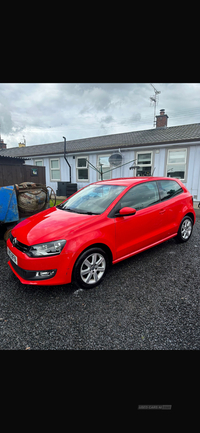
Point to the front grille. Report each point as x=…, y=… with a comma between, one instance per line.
x=21, y=247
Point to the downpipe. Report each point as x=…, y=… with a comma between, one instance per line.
x=70, y=169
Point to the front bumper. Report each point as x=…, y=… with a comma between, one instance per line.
x=33, y=275
x=33, y=270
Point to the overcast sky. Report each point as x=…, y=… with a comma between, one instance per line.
x=44, y=112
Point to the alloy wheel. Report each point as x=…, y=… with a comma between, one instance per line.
x=93, y=268
x=186, y=229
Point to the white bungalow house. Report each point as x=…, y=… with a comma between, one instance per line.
x=162, y=151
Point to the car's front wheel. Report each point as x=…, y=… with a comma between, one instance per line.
x=185, y=229
x=90, y=268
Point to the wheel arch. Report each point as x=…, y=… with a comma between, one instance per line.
x=98, y=245
x=103, y=246
x=190, y=214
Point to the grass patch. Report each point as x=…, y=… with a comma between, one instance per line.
x=57, y=202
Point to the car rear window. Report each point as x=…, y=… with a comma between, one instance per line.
x=168, y=189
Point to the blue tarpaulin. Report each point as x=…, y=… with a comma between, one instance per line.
x=8, y=204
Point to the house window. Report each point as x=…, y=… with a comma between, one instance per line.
x=55, y=169
x=38, y=162
x=104, y=160
x=144, y=160
x=176, y=163
x=82, y=168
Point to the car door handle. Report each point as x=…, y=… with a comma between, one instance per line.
x=162, y=211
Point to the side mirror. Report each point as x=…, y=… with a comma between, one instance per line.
x=126, y=211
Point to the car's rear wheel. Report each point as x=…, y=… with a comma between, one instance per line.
x=90, y=268
x=185, y=229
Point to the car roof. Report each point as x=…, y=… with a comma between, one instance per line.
x=127, y=181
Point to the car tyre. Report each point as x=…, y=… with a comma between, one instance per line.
x=90, y=268
x=185, y=230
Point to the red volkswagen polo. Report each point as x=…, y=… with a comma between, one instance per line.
x=99, y=225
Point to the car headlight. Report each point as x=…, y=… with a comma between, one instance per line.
x=47, y=249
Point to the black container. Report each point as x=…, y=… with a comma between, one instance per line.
x=71, y=189
x=61, y=188
x=66, y=189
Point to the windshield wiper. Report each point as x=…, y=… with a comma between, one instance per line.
x=85, y=212
x=90, y=213
x=68, y=209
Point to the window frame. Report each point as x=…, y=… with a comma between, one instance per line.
x=117, y=207
x=38, y=160
x=177, y=163
x=98, y=165
x=83, y=168
x=144, y=165
x=52, y=169
x=175, y=195
x=140, y=185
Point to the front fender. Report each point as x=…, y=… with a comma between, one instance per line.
x=101, y=235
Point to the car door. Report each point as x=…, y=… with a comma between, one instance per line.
x=143, y=229
x=173, y=202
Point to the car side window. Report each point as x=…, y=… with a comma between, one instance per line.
x=168, y=189
x=141, y=196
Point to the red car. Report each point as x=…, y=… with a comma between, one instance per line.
x=99, y=225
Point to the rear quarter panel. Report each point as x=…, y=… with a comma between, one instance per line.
x=178, y=207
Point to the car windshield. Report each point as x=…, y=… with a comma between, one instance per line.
x=92, y=200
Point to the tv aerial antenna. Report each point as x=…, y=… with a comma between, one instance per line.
x=154, y=100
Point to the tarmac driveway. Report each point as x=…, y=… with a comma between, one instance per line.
x=150, y=301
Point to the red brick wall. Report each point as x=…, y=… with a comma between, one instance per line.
x=161, y=120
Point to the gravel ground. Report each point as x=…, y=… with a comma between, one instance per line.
x=150, y=301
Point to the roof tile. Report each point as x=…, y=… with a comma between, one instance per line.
x=126, y=139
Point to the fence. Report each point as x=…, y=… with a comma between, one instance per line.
x=11, y=174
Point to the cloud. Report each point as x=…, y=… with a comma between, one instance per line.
x=44, y=112
x=6, y=122
x=7, y=125
x=107, y=119
x=135, y=118
x=94, y=98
